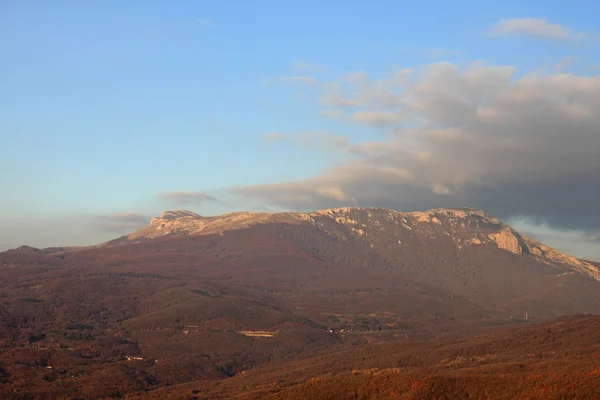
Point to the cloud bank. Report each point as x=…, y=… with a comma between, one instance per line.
x=480, y=136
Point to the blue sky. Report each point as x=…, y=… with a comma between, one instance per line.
x=104, y=106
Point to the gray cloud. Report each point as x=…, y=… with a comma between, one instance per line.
x=376, y=118
x=120, y=223
x=535, y=27
x=594, y=238
x=477, y=137
x=185, y=198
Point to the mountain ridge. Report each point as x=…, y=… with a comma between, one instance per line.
x=466, y=226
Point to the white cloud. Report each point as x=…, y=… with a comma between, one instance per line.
x=535, y=27
x=333, y=192
x=440, y=189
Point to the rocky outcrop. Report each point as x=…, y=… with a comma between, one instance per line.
x=184, y=222
x=175, y=214
x=507, y=240
x=550, y=256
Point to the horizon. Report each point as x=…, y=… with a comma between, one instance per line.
x=113, y=113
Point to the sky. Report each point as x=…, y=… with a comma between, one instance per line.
x=112, y=112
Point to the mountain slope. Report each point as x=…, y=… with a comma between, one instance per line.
x=185, y=292
x=465, y=252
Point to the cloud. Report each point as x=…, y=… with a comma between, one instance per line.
x=563, y=64
x=120, y=223
x=339, y=114
x=478, y=136
x=306, y=66
x=534, y=27
x=441, y=53
x=356, y=77
x=337, y=99
x=358, y=89
x=307, y=80
x=185, y=198
x=205, y=22
x=377, y=118
x=273, y=137
x=592, y=237
x=311, y=140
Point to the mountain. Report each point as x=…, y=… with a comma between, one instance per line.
x=464, y=227
x=465, y=252
x=191, y=298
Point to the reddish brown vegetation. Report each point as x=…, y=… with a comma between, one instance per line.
x=74, y=322
x=553, y=360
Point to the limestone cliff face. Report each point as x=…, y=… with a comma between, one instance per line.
x=382, y=229
x=507, y=240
